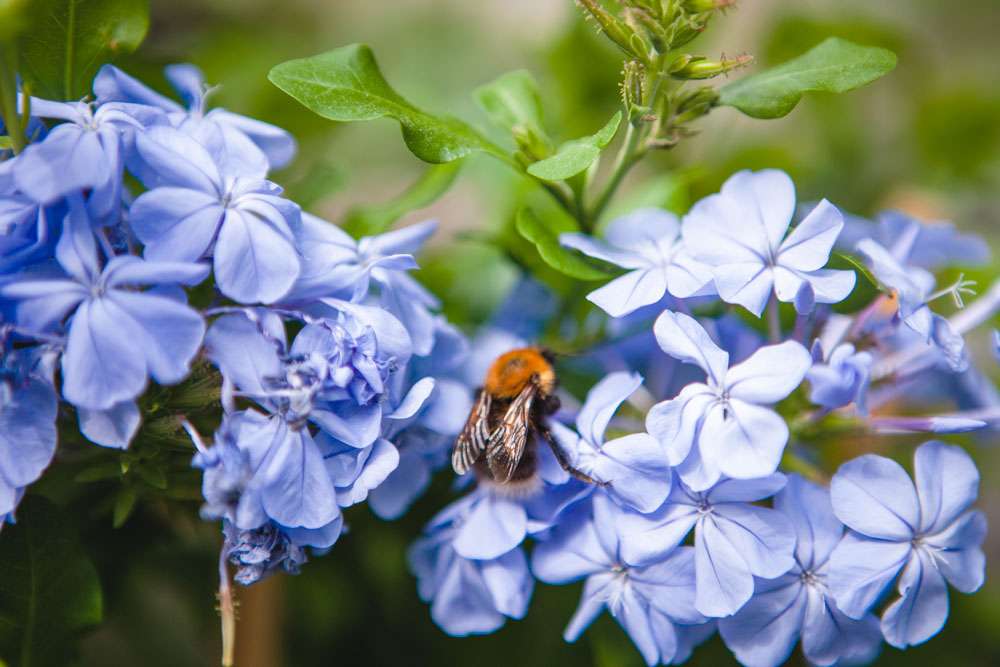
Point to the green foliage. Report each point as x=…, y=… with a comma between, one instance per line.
x=49, y=591
x=834, y=66
x=6, y=143
x=512, y=99
x=346, y=85
x=544, y=234
x=377, y=218
x=577, y=155
x=64, y=42
x=865, y=289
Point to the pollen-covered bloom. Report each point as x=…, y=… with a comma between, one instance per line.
x=634, y=467
x=925, y=531
x=723, y=426
x=654, y=603
x=468, y=595
x=741, y=234
x=196, y=209
x=647, y=243
x=116, y=337
x=799, y=605
x=734, y=541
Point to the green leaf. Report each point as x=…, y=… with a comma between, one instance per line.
x=6, y=143
x=49, y=591
x=346, y=85
x=545, y=236
x=377, y=218
x=575, y=156
x=512, y=99
x=124, y=504
x=99, y=472
x=834, y=66
x=865, y=290
x=64, y=42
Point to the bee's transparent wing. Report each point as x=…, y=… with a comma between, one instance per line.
x=471, y=442
x=507, y=441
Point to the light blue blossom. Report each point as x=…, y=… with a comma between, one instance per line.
x=840, y=379
x=740, y=234
x=259, y=146
x=195, y=209
x=356, y=472
x=734, y=540
x=28, y=230
x=932, y=245
x=634, y=467
x=424, y=442
x=334, y=265
x=722, y=426
x=289, y=476
x=260, y=552
x=926, y=532
x=28, y=404
x=654, y=603
x=88, y=151
x=647, y=243
x=117, y=337
x=798, y=605
x=468, y=595
x=910, y=286
x=237, y=491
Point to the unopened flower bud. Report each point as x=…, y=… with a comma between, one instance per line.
x=633, y=81
x=702, y=6
x=699, y=67
x=616, y=30
x=532, y=147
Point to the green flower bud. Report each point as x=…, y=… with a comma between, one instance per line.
x=616, y=30
x=699, y=67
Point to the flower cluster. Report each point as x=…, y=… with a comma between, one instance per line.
x=690, y=526
x=140, y=236
x=93, y=274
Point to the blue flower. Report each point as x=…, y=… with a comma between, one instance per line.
x=468, y=595
x=289, y=475
x=930, y=245
x=634, y=467
x=246, y=484
x=117, y=337
x=910, y=286
x=927, y=532
x=647, y=242
x=722, y=427
x=653, y=603
x=798, y=605
x=424, y=441
x=335, y=266
x=28, y=230
x=840, y=379
x=740, y=234
x=260, y=552
x=258, y=145
x=734, y=541
x=88, y=151
x=28, y=405
x=196, y=209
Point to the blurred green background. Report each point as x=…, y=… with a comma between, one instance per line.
x=924, y=139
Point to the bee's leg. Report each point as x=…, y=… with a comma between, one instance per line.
x=560, y=455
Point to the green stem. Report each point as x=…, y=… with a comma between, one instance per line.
x=628, y=156
x=8, y=96
x=773, y=320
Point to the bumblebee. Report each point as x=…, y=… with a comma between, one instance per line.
x=499, y=440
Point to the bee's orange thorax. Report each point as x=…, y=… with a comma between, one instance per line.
x=512, y=371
